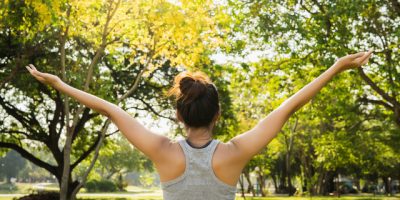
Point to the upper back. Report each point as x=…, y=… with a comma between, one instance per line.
x=198, y=178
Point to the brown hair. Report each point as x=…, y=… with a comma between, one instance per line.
x=197, y=98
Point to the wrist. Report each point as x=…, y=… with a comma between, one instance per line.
x=57, y=83
x=336, y=68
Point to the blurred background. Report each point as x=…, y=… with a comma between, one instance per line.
x=346, y=141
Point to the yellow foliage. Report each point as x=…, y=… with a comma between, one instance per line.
x=180, y=31
x=45, y=11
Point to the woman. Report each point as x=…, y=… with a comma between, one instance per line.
x=201, y=167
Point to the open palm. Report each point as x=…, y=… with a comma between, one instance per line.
x=45, y=78
x=354, y=60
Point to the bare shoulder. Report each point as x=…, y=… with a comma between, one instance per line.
x=226, y=163
x=228, y=152
x=171, y=150
x=172, y=164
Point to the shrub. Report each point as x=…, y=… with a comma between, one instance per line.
x=100, y=186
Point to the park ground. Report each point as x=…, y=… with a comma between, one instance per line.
x=150, y=197
x=140, y=193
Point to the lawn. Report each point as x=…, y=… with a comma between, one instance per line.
x=108, y=197
x=139, y=193
x=25, y=188
x=321, y=198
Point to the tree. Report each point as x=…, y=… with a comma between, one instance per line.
x=123, y=51
x=317, y=32
x=300, y=39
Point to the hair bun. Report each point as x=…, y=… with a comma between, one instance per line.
x=192, y=89
x=197, y=100
x=190, y=86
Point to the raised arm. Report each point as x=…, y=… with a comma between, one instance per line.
x=251, y=142
x=146, y=141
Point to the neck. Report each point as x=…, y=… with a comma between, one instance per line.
x=198, y=136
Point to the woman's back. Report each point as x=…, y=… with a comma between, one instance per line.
x=197, y=178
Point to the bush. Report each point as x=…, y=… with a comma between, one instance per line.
x=100, y=186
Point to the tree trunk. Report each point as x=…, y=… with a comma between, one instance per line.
x=261, y=183
x=289, y=148
x=275, y=183
x=65, y=192
x=288, y=175
x=250, y=187
x=68, y=194
x=241, y=183
x=282, y=179
x=387, y=185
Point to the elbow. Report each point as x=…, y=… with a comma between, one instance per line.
x=106, y=114
x=286, y=111
x=108, y=110
x=103, y=112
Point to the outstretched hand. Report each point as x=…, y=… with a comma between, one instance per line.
x=44, y=78
x=353, y=60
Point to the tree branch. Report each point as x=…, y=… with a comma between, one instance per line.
x=29, y=156
x=87, y=152
x=375, y=87
x=14, y=131
x=305, y=8
x=154, y=111
x=86, y=116
x=378, y=102
x=19, y=116
x=56, y=117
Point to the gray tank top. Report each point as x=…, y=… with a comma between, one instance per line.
x=198, y=182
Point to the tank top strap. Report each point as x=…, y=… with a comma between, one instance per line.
x=211, y=151
x=185, y=147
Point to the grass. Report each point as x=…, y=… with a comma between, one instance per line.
x=107, y=197
x=135, y=198
x=320, y=198
x=23, y=188
x=26, y=188
x=139, y=193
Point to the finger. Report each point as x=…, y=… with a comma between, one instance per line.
x=33, y=67
x=366, y=56
x=35, y=71
x=366, y=59
x=30, y=70
x=357, y=55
